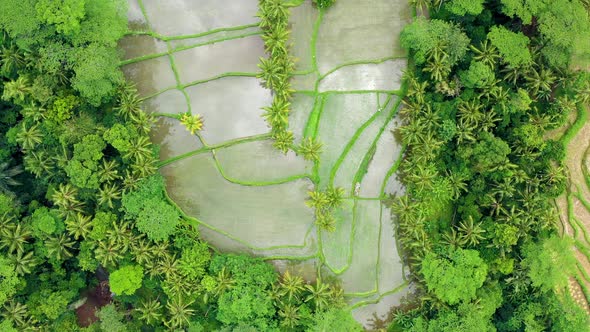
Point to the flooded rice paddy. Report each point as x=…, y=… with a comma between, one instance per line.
x=201, y=56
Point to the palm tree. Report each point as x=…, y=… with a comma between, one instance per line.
x=193, y=123
x=139, y=148
x=128, y=103
x=283, y=88
x=272, y=71
x=11, y=59
x=168, y=266
x=317, y=199
x=59, y=247
x=15, y=312
x=465, y=132
x=325, y=220
x=438, y=65
x=512, y=74
x=29, y=138
x=404, y=208
x=108, y=253
x=453, y=239
x=471, y=233
x=142, y=251
x=275, y=40
x=457, y=181
x=310, y=148
x=335, y=195
x=583, y=93
x=540, y=82
x=7, y=175
x=65, y=197
x=417, y=90
x=149, y=311
x=289, y=315
x=283, y=140
x=291, y=286
x=180, y=312
x=33, y=112
x=108, y=171
x=79, y=225
x=38, y=163
x=223, y=282
x=120, y=234
x=17, y=90
x=14, y=237
x=486, y=53
x=277, y=114
x=470, y=112
x=413, y=132
x=319, y=294
x=108, y=193
x=143, y=121
x=142, y=168
x=23, y=263
x=130, y=181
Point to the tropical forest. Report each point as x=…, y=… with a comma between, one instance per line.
x=295, y=165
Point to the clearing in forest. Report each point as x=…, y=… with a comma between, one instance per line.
x=201, y=56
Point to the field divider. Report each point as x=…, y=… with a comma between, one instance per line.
x=190, y=36
x=212, y=147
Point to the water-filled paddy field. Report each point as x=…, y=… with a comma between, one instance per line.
x=201, y=56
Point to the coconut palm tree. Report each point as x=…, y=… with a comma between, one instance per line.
x=65, y=197
x=486, y=54
x=79, y=225
x=15, y=312
x=317, y=199
x=223, y=282
x=108, y=171
x=120, y=234
x=335, y=196
x=512, y=74
x=272, y=71
x=29, y=138
x=150, y=311
x=14, y=237
x=142, y=251
x=438, y=65
x=38, y=163
x=465, y=132
x=471, y=232
x=168, y=265
x=179, y=311
x=453, y=239
x=325, y=220
x=291, y=286
x=11, y=59
x=583, y=93
x=412, y=132
x=34, y=112
x=275, y=40
x=283, y=140
x=143, y=121
x=128, y=103
x=23, y=263
x=310, y=149
x=277, y=114
x=470, y=112
x=7, y=175
x=142, y=168
x=108, y=253
x=319, y=294
x=109, y=193
x=138, y=148
x=289, y=315
x=193, y=123
x=540, y=82
x=59, y=247
x=17, y=90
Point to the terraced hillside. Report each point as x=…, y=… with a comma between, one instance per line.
x=201, y=56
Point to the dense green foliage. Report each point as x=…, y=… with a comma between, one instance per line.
x=477, y=224
x=85, y=221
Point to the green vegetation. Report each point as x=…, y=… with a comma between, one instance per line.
x=483, y=91
x=89, y=240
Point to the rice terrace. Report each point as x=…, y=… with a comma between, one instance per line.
x=295, y=165
x=202, y=57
